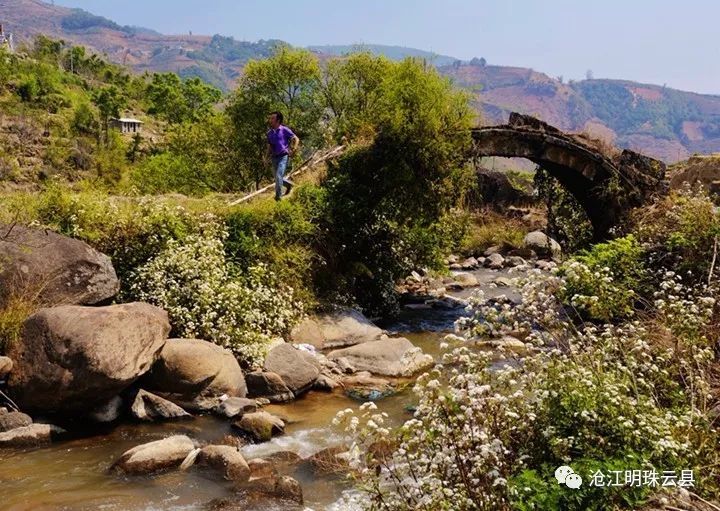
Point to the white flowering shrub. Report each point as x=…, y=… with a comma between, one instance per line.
x=207, y=298
x=634, y=395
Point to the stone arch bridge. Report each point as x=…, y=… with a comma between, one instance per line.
x=606, y=185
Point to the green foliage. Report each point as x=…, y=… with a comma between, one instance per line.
x=84, y=122
x=383, y=194
x=110, y=101
x=79, y=19
x=177, y=101
x=605, y=282
x=568, y=223
x=206, y=298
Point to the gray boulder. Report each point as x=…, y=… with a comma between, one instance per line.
x=149, y=407
x=283, y=488
x=235, y=406
x=155, y=456
x=73, y=358
x=268, y=385
x=34, y=434
x=542, y=244
x=308, y=332
x=466, y=279
x=388, y=357
x=195, y=374
x=297, y=368
x=59, y=269
x=12, y=420
x=346, y=327
x=495, y=261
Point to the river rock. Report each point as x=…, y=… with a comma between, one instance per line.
x=346, y=327
x=387, y=357
x=277, y=487
x=297, y=368
x=264, y=384
x=149, y=407
x=261, y=468
x=235, y=406
x=325, y=383
x=470, y=264
x=495, y=261
x=34, y=434
x=72, y=358
x=363, y=386
x=502, y=282
x=542, y=244
x=507, y=343
x=155, y=456
x=513, y=261
x=107, y=412
x=59, y=269
x=260, y=426
x=226, y=459
x=332, y=460
x=308, y=332
x=12, y=420
x=6, y=365
x=284, y=459
x=195, y=373
x=466, y=279
x=495, y=249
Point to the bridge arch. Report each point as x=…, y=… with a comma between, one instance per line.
x=607, y=186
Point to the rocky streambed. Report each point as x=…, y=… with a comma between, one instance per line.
x=124, y=418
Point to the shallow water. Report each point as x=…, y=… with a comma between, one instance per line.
x=74, y=475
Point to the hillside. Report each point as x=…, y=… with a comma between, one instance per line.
x=662, y=122
x=216, y=59
x=391, y=52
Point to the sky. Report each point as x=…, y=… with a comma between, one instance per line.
x=670, y=42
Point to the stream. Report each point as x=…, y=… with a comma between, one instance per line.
x=73, y=474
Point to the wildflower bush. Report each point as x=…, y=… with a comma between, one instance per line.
x=207, y=298
x=636, y=395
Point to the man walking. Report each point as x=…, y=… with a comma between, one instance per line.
x=282, y=143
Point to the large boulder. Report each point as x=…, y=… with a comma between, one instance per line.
x=149, y=407
x=297, y=368
x=59, y=269
x=542, y=244
x=12, y=420
x=72, y=358
x=346, y=327
x=155, y=456
x=260, y=426
x=34, y=434
x=235, y=406
x=268, y=385
x=226, y=459
x=308, y=332
x=388, y=357
x=195, y=374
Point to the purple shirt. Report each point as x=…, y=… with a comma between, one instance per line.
x=279, y=140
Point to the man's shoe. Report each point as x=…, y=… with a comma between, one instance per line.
x=288, y=187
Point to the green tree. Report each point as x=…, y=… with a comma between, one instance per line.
x=177, y=101
x=110, y=101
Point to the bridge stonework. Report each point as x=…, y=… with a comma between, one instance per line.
x=607, y=186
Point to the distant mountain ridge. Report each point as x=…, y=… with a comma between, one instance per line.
x=665, y=123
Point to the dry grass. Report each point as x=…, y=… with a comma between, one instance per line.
x=490, y=228
x=13, y=314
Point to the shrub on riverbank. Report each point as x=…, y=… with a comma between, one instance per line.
x=639, y=393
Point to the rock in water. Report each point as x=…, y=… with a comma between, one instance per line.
x=226, y=459
x=107, y=412
x=34, y=434
x=298, y=369
x=260, y=426
x=149, y=407
x=308, y=332
x=346, y=327
x=155, y=456
x=234, y=406
x=62, y=270
x=12, y=420
x=388, y=357
x=542, y=244
x=264, y=384
x=72, y=358
x=277, y=487
x=195, y=373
